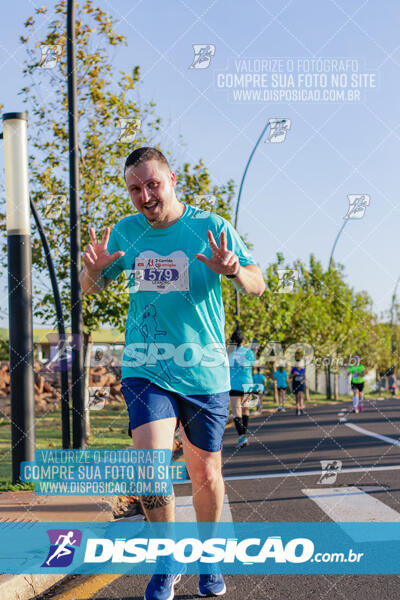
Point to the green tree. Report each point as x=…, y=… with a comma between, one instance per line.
x=322, y=313
x=105, y=97
x=4, y=350
x=335, y=319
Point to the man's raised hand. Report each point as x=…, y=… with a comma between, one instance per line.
x=222, y=260
x=96, y=256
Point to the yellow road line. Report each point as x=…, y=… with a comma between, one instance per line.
x=87, y=589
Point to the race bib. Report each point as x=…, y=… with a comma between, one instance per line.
x=162, y=274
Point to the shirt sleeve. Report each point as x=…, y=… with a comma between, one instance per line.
x=115, y=269
x=235, y=244
x=250, y=358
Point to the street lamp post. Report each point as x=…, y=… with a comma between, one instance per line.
x=356, y=210
x=328, y=368
x=65, y=412
x=78, y=417
x=245, y=171
x=19, y=290
x=336, y=241
x=238, y=201
x=393, y=345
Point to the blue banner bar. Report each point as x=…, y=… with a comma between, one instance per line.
x=247, y=548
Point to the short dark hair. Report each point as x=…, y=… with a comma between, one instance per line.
x=237, y=337
x=141, y=155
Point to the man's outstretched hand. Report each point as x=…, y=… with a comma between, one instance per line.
x=222, y=260
x=96, y=256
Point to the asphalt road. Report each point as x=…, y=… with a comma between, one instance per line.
x=264, y=482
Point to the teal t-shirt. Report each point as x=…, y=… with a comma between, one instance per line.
x=241, y=361
x=259, y=378
x=281, y=378
x=174, y=334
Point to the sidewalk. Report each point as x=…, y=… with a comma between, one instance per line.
x=28, y=508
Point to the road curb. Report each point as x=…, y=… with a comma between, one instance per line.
x=27, y=586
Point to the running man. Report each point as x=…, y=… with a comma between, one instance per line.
x=241, y=360
x=392, y=383
x=259, y=380
x=174, y=255
x=281, y=382
x=298, y=378
x=62, y=542
x=356, y=376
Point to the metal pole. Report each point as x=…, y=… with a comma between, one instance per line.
x=328, y=369
x=245, y=172
x=238, y=201
x=78, y=416
x=336, y=241
x=392, y=318
x=19, y=291
x=65, y=421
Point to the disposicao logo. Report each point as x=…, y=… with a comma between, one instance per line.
x=189, y=550
x=62, y=547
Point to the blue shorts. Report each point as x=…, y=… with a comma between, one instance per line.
x=298, y=387
x=203, y=417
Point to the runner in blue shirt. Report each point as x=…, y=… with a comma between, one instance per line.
x=298, y=378
x=174, y=367
x=281, y=382
x=241, y=360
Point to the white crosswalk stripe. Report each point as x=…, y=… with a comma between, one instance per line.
x=185, y=510
x=379, y=436
x=352, y=505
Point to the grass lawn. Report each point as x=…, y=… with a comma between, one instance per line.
x=315, y=399
x=108, y=430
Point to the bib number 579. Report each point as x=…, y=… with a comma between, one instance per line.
x=161, y=275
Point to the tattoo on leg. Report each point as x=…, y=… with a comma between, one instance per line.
x=151, y=502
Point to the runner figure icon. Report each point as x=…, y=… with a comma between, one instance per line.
x=358, y=204
x=149, y=330
x=62, y=542
x=202, y=55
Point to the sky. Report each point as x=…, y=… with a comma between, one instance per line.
x=212, y=68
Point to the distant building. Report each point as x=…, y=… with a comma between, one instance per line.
x=45, y=341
